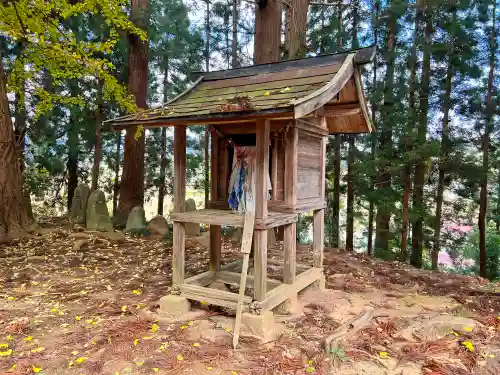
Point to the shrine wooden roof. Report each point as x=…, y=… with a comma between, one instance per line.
x=328, y=85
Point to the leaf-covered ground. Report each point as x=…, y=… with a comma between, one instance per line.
x=90, y=310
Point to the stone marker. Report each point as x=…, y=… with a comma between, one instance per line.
x=97, y=213
x=136, y=222
x=192, y=229
x=158, y=225
x=79, y=204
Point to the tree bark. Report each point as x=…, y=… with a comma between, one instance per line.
x=384, y=207
x=97, y=146
x=352, y=147
x=337, y=159
x=490, y=111
x=116, y=184
x=132, y=183
x=296, y=29
x=207, y=37
x=14, y=219
x=418, y=194
x=163, y=145
x=371, y=209
x=408, y=139
x=267, y=37
x=235, y=63
x=72, y=163
x=445, y=143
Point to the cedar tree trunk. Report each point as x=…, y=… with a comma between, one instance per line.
x=267, y=37
x=296, y=29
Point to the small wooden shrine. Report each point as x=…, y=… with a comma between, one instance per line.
x=285, y=111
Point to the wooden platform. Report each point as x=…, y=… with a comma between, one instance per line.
x=194, y=288
x=231, y=218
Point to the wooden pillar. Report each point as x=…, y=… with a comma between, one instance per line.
x=274, y=170
x=215, y=230
x=261, y=193
x=179, y=235
x=289, y=233
x=319, y=215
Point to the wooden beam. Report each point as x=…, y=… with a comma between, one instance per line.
x=323, y=95
x=233, y=278
x=279, y=263
x=209, y=216
x=289, y=248
x=285, y=291
x=216, y=294
x=215, y=247
x=318, y=244
x=179, y=232
x=202, y=279
x=262, y=168
x=274, y=170
x=332, y=111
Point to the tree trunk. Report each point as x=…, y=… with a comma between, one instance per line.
x=418, y=194
x=296, y=29
x=163, y=145
x=206, y=144
x=384, y=208
x=445, y=143
x=352, y=148
x=132, y=183
x=72, y=162
x=371, y=208
x=97, y=147
x=490, y=112
x=337, y=159
x=350, y=194
x=116, y=183
x=408, y=139
x=234, y=41
x=14, y=219
x=267, y=37
x=207, y=37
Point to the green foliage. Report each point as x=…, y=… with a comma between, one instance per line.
x=470, y=250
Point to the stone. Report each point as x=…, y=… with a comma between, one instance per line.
x=78, y=210
x=192, y=229
x=97, y=213
x=261, y=326
x=136, y=222
x=79, y=244
x=158, y=225
x=118, y=237
x=173, y=305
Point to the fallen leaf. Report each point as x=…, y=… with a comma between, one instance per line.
x=183, y=326
x=29, y=338
x=12, y=368
x=469, y=345
x=234, y=373
x=137, y=292
x=10, y=338
x=78, y=318
x=11, y=298
x=4, y=346
x=228, y=330
x=124, y=308
x=136, y=341
x=310, y=369
x=196, y=345
x=468, y=329
x=155, y=369
x=38, y=350
x=180, y=357
x=36, y=370
x=267, y=93
x=191, y=323
x=139, y=363
x=209, y=368
x=384, y=355
x=5, y=353
x=155, y=327
x=147, y=337
x=80, y=360
x=74, y=352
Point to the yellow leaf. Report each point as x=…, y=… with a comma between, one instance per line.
x=6, y=353
x=203, y=302
x=38, y=350
x=124, y=308
x=384, y=355
x=191, y=323
x=4, y=346
x=155, y=327
x=228, y=330
x=267, y=93
x=36, y=370
x=310, y=362
x=10, y=338
x=78, y=318
x=11, y=298
x=70, y=364
x=209, y=368
x=234, y=373
x=29, y=338
x=54, y=309
x=117, y=373
x=468, y=329
x=136, y=341
x=180, y=357
x=183, y=326
x=469, y=345
x=147, y=337
x=12, y=368
x=139, y=363
x=310, y=369
x=74, y=352
x=155, y=369
x=452, y=332
x=196, y=345
x=286, y=89
x=137, y=292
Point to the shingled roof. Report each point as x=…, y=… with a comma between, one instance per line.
x=290, y=89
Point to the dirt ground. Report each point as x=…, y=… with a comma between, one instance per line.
x=65, y=310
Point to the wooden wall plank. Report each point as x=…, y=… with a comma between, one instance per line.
x=289, y=247
x=291, y=154
x=274, y=170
